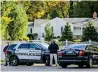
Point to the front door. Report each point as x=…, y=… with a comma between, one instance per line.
x=35, y=52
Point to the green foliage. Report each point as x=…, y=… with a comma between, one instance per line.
x=14, y=20
x=32, y=36
x=47, y=9
x=90, y=33
x=83, y=9
x=48, y=32
x=54, y=14
x=17, y=27
x=67, y=34
x=25, y=38
x=4, y=23
x=5, y=19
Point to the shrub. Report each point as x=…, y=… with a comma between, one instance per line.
x=32, y=36
x=25, y=38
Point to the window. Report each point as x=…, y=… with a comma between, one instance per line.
x=61, y=29
x=82, y=47
x=33, y=46
x=30, y=30
x=24, y=46
x=43, y=45
x=52, y=28
x=42, y=34
x=11, y=46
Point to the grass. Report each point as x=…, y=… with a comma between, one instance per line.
x=1, y=61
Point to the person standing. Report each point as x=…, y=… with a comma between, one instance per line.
x=53, y=47
x=5, y=52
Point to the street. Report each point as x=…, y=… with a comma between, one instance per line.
x=42, y=67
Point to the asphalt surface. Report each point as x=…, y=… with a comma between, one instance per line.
x=42, y=67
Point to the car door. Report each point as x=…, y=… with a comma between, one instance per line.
x=22, y=51
x=35, y=52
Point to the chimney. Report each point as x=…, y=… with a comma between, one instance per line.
x=94, y=15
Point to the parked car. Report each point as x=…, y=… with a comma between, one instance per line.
x=79, y=54
x=28, y=53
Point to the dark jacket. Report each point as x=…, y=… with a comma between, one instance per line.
x=5, y=48
x=53, y=47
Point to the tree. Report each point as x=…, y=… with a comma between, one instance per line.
x=5, y=19
x=83, y=9
x=90, y=33
x=32, y=36
x=47, y=9
x=17, y=27
x=67, y=34
x=48, y=32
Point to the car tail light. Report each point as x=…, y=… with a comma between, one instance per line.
x=81, y=53
x=60, y=53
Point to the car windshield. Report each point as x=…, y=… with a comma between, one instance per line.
x=76, y=47
x=45, y=45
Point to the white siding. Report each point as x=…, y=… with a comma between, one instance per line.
x=37, y=29
x=28, y=30
x=56, y=23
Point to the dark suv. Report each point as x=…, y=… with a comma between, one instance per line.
x=79, y=54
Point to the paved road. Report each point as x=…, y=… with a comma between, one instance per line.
x=41, y=67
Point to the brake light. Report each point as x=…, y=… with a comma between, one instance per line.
x=60, y=53
x=81, y=53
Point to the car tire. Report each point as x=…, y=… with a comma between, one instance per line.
x=29, y=64
x=13, y=61
x=47, y=61
x=80, y=65
x=90, y=63
x=63, y=65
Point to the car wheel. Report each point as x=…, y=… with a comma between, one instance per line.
x=90, y=63
x=63, y=65
x=47, y=61
x=13, y=61
x=80, y=65
x=29, y=64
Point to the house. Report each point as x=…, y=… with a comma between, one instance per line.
x=77, y=25
x=30, y=28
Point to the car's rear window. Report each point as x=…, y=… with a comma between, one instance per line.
x=11, y=46
x=76, y=47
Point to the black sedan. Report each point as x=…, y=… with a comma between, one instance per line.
x=79, y=54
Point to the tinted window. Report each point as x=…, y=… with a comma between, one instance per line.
x=24, y=46
x=76, y=46
x=11, y=46
x=33, y=46
x=43, y=45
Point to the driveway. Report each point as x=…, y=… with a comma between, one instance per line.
x=42, y=67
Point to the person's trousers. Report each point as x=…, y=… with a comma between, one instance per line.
x=5, y=58
x=55, y=58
